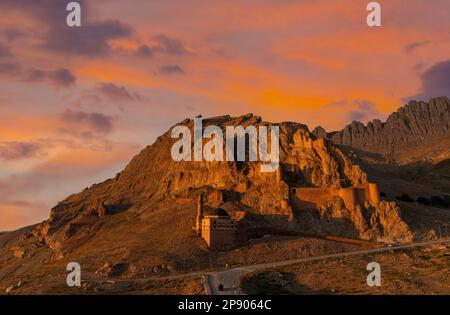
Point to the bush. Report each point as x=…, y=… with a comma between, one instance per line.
x=437, y=201
x=424, y=201
x=446, y=201
x=405, y=197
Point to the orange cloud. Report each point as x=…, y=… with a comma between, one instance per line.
x=14, y=214
x=285, y=60
x=21, y=126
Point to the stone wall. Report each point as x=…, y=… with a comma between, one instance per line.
x=314, y=197
x=307, y=198
x=219, y=235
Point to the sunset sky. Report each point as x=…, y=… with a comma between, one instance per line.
x=76, y=104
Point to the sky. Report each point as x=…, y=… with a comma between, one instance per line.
x=77, y=103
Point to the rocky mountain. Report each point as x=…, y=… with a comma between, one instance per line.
x=139, y=223
x=411, y=127
x=263, y=200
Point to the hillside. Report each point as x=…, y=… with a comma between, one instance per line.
x=139, y=223
x=406, y=133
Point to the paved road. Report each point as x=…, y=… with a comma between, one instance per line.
x=230, y=278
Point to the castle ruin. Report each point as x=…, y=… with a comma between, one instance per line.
x=313, y=197
x=215, y=226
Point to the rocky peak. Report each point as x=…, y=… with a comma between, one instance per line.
x=153, y=177
x=410, y=126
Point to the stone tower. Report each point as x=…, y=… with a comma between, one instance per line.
x=198, y=224
x=373, y=193
x=278, y=174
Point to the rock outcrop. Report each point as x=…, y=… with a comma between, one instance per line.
x=411, y=126
x=153, y=177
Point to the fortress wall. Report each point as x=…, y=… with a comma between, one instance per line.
x=307, y=198
x=206, y=235
x=220, y=239
x=368, y=192
x=219, y=233
x=374, y=193
x=362, y=194
x=349, y=196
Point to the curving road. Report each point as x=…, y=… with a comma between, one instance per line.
x=229, y=279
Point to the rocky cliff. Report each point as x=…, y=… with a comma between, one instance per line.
x=153, y=178
x=411, y=126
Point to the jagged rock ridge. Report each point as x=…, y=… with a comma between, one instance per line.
x=152, y=177
x=411, y=126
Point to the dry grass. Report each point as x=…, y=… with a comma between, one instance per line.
x=418, y=271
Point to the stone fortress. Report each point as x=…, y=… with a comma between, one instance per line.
x=315, y=189
x=215, y=226
x=313, y=197
x=220, y=231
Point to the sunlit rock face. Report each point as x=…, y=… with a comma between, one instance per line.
x=265, y=199
x=411, y=126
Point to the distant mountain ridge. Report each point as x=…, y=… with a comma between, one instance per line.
x=410, y=127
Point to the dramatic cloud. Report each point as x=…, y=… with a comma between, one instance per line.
x=162, y=44
x=88, y=123
x=436, y=81
x=363, y=111
x=12, y=33
x=145, y=51
x=4, y=51
x=170, y=46
x=60, y=77
x=116, y=92
x=10, y=68
x=19, y=150
x=35, y=75
x=89, y=40
x=413, y=46
x=170, y=69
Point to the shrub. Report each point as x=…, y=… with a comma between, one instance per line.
x=405, y=197
x=424, y=201
x=446, y=202
x=437, y=201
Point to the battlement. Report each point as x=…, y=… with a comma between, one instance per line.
x=215, y=225
x=314, y=197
